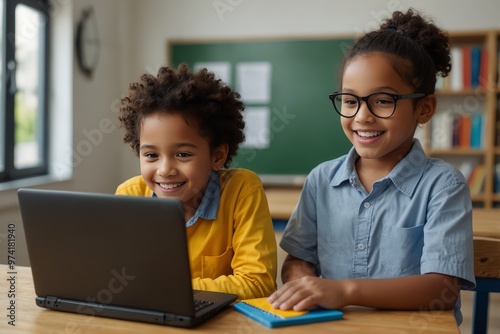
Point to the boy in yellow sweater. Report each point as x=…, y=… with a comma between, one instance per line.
x=186, y=127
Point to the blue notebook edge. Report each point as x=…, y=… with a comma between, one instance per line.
x=272, y=321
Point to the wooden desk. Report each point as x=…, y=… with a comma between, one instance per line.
x=282, y=201
x=30, y=318
x=486, y=223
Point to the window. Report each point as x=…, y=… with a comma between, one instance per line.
x=23, y=108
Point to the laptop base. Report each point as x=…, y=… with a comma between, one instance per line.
x=116, y=312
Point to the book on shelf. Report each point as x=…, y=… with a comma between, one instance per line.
x=440, y=82
x=476, y=131
x=456, y=122
x=466, y=67
x=260, y=310
x=497, y=178
x=483, y=69
x=469, y=67
x=476, y=179
x=466, y=168
x=456, y=79
x=442, y=131
x=475, y=66
x=464, y=131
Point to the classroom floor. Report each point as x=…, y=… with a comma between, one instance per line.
x=467, y=299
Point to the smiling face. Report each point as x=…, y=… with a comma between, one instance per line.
x=175, y=161
x=385, y=140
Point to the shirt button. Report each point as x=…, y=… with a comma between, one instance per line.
x=366, y=205
x=361, y=246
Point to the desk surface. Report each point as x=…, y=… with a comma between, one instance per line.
x=486, y=223
x=282, y=201
x=30, y=318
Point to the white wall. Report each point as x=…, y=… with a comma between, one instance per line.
x=97, y=165
x=134, y=36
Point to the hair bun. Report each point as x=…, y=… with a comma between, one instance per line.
x=422, y=30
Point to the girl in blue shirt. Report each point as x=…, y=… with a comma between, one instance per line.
x=383, y=226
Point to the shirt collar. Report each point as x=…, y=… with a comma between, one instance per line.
x=209, y=205
x=347, y=171
x=405, y=175
x=409, y=171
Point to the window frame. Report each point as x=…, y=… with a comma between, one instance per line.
x=10, y=173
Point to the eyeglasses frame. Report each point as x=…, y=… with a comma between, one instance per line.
x=396, y=98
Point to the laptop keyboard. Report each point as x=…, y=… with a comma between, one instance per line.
x=201, y=304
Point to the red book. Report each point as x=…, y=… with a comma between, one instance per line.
x=476, y=180
x=473, y=175
x=483, y=70
x=464, y=132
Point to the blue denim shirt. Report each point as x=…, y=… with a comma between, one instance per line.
x=416, y=220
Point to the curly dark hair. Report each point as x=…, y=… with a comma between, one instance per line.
x=203, y=101
x=418, y=50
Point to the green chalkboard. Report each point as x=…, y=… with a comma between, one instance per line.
x=304, y=128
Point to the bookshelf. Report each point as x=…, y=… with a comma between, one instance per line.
x=466, y=128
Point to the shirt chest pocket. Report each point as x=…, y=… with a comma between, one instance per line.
x=218, y=265
x=401, y=250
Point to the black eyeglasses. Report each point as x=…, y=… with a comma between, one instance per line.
x=382, y=105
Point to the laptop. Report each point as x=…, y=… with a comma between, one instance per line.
x=113, y=256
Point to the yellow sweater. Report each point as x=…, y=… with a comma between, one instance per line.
x=235, y=252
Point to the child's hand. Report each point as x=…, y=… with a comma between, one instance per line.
x=309, y=292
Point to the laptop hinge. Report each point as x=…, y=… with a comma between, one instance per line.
x=50, y=302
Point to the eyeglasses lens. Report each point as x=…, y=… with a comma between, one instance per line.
x=380, y=104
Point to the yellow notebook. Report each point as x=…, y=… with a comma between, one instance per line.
x=259, y=309
x=264, y=305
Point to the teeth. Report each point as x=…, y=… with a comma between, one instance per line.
x=171, y=185
x=369, y=134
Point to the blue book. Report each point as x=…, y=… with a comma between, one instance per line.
x=476, y=134
x=475, y=66
x=271, y=320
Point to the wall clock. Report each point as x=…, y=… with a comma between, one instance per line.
x=87, y=42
